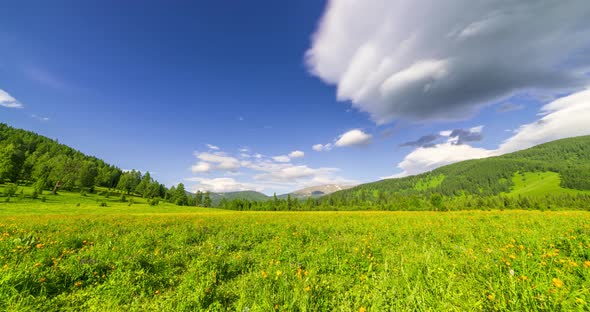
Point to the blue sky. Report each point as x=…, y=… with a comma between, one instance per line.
x=149, y=84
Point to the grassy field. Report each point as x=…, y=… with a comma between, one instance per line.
x=68, y=253
x=539, y=184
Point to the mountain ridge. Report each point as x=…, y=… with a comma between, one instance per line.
x=316, y=191
x=492, y=176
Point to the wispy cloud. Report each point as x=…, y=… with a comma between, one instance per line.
x=45, y=77
x=40, y=118
x=212, y=147
x=509, y=107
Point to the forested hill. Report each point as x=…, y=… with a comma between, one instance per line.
x=569, y=158
x=219, y=199
x=27, y=157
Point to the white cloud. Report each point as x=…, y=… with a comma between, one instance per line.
x=291, y=173
x=296, y=154
x=220, y=161
x=565, y=117
x=354, y=137
x=562, y=118
x=259, y=172
x=322, y=147
x=282, y=158
x=221, y=185
x=425, y=159
x=213, y=147
x=446, y=133
x=201, y=167
x=430, y=59
x=8, y=101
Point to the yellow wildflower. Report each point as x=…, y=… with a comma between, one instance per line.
x=557, y=283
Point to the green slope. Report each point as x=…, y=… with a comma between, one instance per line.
x=558, y=167
x=539, y=184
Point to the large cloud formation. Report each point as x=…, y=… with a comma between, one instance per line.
x=442, y=60
x=562, y=118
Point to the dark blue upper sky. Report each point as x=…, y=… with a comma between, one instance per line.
x=147, y=84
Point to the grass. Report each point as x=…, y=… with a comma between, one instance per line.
x=60, y=256
x=73, y=203
x=539, y=184
x=428, y=183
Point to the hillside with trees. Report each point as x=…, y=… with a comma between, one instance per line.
x=27, y=158
x=473, y=184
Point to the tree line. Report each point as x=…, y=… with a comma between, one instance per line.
x=399, y=202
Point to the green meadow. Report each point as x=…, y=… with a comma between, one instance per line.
x=72, y=253
x=540, y=184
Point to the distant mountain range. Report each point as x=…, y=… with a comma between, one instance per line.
x=317, y=191
x=314, y=192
